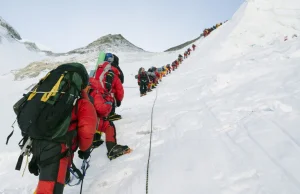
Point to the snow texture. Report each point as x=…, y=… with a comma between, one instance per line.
x=226, y=122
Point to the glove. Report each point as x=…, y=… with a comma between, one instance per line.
x=33, y=167
x=118, y=103
x=84, y=154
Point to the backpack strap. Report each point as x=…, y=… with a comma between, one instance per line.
x=109, y=80
x=9, y=136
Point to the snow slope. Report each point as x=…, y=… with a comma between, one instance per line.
x=87, y=55
x=260, y=23
x=225, y=122
x=13, y=53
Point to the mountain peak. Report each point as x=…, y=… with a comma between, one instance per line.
x=110, y=42
x=11, y=31
x=107, y=39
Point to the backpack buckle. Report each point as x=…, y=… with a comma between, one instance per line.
x=26, y=146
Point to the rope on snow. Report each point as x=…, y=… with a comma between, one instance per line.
x=150, y=144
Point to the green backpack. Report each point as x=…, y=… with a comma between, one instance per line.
x=45, y=112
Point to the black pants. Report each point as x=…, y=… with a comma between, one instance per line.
x=52, y=174
x=143, y=87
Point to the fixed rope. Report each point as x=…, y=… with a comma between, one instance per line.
x=150, y=144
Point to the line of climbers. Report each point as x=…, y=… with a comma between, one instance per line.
x=66, y=110
x=70, y=109
x=148, y=80
x=207, y=31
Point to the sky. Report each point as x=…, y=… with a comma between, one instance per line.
x=154, y=25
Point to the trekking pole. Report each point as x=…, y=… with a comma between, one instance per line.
x=81, y=186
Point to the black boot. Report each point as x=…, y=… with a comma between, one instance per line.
x=114, y=117
x=116, y=150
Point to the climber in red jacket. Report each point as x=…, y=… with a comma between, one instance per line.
x=103, y=103
x=176, y=63
x=105, y=74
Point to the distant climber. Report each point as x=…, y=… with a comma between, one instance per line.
x=143, y=81
x=173, y=66
x=185, y=55
x=180, y=58
x=168, y=66
x=194, y=47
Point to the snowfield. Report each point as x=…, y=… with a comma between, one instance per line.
x=226, y=122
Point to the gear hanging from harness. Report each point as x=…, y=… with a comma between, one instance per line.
x=79, y=174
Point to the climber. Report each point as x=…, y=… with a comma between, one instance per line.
x=143, y=81
x=103, y=102
x=194, y=47
x=106, y=75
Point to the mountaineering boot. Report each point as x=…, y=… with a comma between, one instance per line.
x=149, y=90
x=116, y=150
x=114, y=117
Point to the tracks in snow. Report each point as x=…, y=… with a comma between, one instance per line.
x=244, y=150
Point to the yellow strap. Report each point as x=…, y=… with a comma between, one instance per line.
x=25, y=166
x=33, y=93
x=53, y=91
x=99, y=132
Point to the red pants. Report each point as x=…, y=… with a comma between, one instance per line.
x=109, y=129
